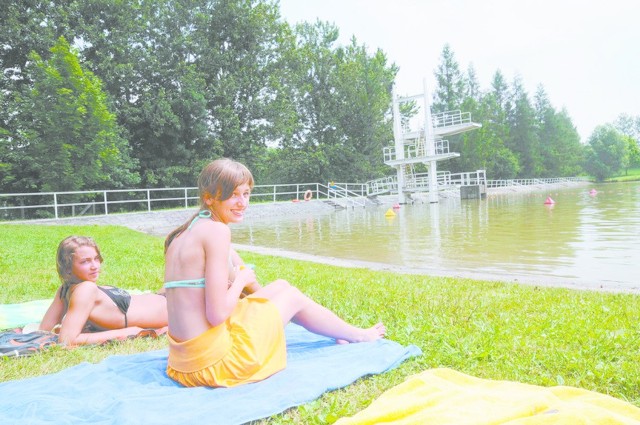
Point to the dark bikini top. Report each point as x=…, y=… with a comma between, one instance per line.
x=120, y=297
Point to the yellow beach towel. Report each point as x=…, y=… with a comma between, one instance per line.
x=446, y=397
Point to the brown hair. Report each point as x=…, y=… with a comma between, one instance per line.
x=64, y=259
x=218, y=179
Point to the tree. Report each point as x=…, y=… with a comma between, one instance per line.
x=449, y=93
x=66, y=138
x=484, y=148
x=559, y=141
x=450, y=83
x=523, y=139
x=500, y=90
x=605, y=152
x=500, y=162
x=310, y=92
x=632, y=157
x=25, y=26
x=342, y=100
x=148, y=54
x=363, y=86
x=472, y=86
x=629, y=126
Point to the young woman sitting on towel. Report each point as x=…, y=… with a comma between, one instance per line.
x=216, y=337
x=83, y=312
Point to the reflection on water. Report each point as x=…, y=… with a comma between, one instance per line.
x=582, y=237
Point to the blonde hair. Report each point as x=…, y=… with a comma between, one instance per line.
x=64, y=259
x=217, y=179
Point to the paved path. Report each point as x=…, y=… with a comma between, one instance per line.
x=160, y=223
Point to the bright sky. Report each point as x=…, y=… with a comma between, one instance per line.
x=585, y=54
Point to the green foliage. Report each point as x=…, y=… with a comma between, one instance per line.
x=517, y=139
x=633, y=153
x=559, y=141
x=629, y=126
x=66, y=124
x=523, y=137
x=606, y=152
x=341, y=121
x=630, y=174
x=484, y=148
x=184, y=81
x=450, y=83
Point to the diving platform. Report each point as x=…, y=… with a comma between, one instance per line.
x=453, y=122
x=421, y=140
x=395, y=162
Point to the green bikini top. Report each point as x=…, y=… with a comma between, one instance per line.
x=192, y=283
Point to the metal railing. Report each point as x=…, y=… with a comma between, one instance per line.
x=46, y=205
x=448, y=118
x=417, y=149
x=445, y=179
x=382, y=185
x=530, y=182
x=27, y=206
x=345, y=197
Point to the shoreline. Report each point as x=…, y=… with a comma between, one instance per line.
x=509, y=278
x=160, y=223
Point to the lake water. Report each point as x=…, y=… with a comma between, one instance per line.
x=584, y=239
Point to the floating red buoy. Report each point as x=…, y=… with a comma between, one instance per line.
x=593, y=192
x=549, y=201
x=396, y=206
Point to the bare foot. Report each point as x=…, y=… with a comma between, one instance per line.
x=371, y=334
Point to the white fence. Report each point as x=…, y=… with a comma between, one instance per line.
x=533, y=182
x=26, y=206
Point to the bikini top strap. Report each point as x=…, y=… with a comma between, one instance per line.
x=201, y=214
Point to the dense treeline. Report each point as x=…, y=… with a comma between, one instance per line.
x=105, y=94
x=523, y=137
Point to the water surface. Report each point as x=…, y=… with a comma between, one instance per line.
x=584, y=238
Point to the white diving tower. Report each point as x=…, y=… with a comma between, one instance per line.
x=423, y=143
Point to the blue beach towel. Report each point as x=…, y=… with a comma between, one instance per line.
x=134, y=389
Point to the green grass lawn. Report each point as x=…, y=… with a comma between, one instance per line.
x=537, y=335
x=632, y=174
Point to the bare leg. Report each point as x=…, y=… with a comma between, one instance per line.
x=297, y=307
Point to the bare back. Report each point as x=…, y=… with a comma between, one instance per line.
x=191, y=256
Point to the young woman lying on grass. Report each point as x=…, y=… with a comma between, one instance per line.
x=83, y=312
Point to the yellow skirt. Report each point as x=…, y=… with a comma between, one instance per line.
x=250, y=346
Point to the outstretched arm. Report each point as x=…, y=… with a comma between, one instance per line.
x=103, y=336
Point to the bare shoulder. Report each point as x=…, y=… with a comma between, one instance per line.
x=84, y=290
x=213, y=228
x=215, y=236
